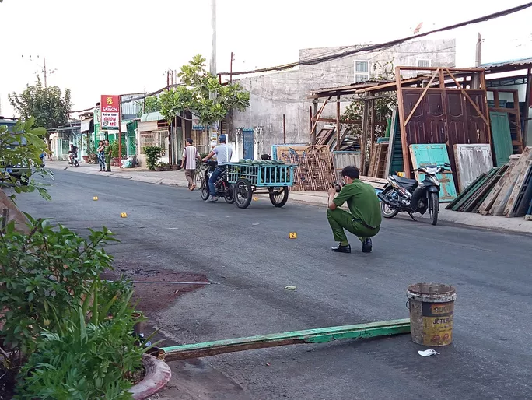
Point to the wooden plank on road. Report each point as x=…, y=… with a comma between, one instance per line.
x=318, y=335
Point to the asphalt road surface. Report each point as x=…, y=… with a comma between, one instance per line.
x=249, y=254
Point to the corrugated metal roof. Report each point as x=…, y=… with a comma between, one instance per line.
x=154, y=116
x=510, y=63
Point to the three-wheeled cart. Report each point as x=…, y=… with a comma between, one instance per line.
x=270, y=177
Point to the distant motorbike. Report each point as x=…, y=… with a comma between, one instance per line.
x=223, y=188
x=73, y=159
x=407, y=195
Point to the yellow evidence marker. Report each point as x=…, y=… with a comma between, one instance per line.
x=292, y=235
x=95, y=198
x=123, y=215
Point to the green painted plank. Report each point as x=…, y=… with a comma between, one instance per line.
x=502, y=138
x=318, y=335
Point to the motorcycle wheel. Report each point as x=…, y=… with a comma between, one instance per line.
x=229, y=194
x=388, y=211
x=204, y=190
x=434, y=207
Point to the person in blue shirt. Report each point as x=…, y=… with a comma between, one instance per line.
x=223, y=154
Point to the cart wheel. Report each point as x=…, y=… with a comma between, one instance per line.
x=243, y=193
x=278, y=196
x=204, y=190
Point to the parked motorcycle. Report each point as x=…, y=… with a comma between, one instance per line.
x=407, y=195
x=223, y=188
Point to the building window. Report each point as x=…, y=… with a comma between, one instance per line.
x=361, y=71
x=423, y=63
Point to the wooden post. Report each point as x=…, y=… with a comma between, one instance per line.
x=401, y=108
x=314, y=113
x=318, y=335
x=371, y=129
x=526, y=115
x=284, y=128
x=364, y=138
x=338, y=126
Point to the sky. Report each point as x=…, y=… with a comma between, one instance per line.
x=125, y=46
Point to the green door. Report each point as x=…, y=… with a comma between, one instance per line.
x=502, y=139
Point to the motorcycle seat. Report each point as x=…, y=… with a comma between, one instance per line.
x=405, y=181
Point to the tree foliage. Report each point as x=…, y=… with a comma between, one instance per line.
x=202, y=94
x=385, y=103
x=23, y=147
x=148, y=105
x=48, y=106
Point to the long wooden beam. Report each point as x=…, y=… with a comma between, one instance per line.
x=318, y=335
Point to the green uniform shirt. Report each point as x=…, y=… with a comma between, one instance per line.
x=362, y=202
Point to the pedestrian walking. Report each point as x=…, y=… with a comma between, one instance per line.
x=363, y=220
x=101, y=155
x=190, y=155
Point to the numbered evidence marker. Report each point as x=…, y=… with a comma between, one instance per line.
x=95, y=198
x=292, y=235
x=123, y=215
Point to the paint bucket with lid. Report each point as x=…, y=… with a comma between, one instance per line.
x=431, y=308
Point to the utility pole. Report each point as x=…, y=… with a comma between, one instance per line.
x=44, y=70
x=45, y=74
x=231, y=68
x=478, y=56
x=478, y=62
x=213, y=45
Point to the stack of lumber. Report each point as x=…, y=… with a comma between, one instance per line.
x=314, y=169
x=378, y=160
x=501, y=191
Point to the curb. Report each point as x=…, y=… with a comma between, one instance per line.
x=158, y=374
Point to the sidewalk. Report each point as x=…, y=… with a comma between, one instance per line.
x=177, y=178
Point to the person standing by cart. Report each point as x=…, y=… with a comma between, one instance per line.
x=190, y=154
x=364, y=218
x=223, y=154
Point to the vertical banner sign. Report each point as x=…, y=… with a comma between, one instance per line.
x=110, y=111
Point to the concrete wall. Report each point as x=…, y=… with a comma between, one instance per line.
x=275, y=94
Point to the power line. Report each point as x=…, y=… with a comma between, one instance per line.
x=392, y=43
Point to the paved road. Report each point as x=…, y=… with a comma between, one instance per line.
x=249, y=254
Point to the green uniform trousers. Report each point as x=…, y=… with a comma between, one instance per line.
x=108, y=161
x=340, y=219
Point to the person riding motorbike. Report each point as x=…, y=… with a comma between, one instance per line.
x=73, y=153
x=223, y=154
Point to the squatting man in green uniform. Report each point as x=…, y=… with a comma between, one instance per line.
x=365, y=218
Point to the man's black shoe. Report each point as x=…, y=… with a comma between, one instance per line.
x=367, y=246
x=342, y=249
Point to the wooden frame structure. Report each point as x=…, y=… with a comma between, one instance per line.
x=518, y=143
x=458, y=114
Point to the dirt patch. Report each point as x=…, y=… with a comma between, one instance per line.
x=158, y=293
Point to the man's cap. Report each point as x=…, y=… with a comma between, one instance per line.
x=222, y=138
x=189, y=140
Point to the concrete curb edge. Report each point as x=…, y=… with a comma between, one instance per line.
x=158, y=374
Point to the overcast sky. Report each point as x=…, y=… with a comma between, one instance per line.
x=125, y=46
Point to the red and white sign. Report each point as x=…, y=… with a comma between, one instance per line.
x=110, y=111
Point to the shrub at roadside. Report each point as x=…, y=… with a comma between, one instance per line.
x=88, y=357
x=152, y=156
x=45, y=272
x=69, y=333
